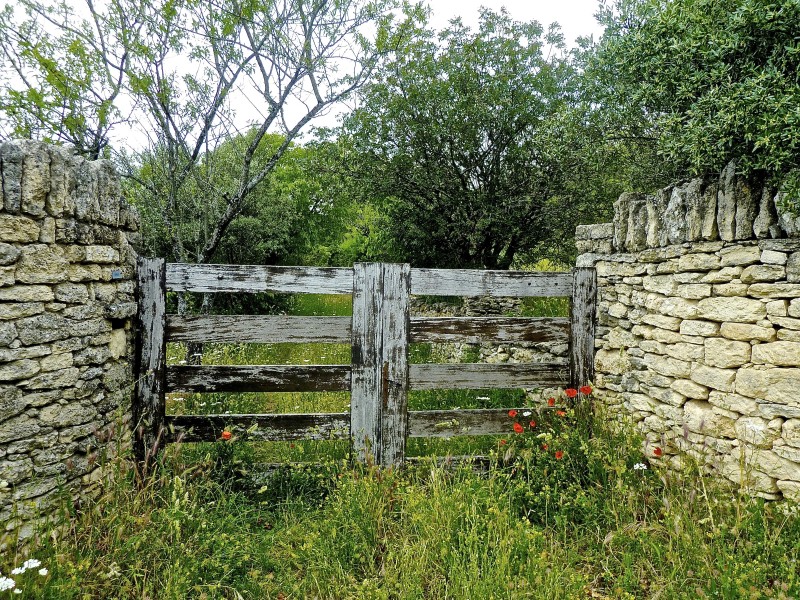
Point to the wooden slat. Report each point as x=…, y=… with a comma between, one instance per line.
x=474, y=330
x=473, y=282
x=259, y=378
x=258, y=329
x=272, y=428
x=450, y=423
x=476, y=376
x=582, y=321
x=149, y=400
x=379, y=394
x=183, y=277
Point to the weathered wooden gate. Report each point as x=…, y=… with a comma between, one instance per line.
x=380, y=330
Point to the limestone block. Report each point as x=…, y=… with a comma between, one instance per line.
x=739, y=256
x=787, y=452
x=790, y=432
x=667, y=267
x=684, y=351
x=789, y=489
x=701, y=328
x=778, y=385
x=674, y=218
x=771, y=257
x=620, y=338
x=692, y=277
x=54, y=362
x=8, y=254
x=41, y=263
x=698, y=262
x=726, y=203
x=118, y=345
x=667, y=396
x=18, y=229
x=64, y=415
x=78, y=273
x=699, y=417
x=777, y=308
x=662, y=321
x=667, y=366
x=18, y=369
x=789, y=335
x=597, y=231
x=734, y=402
x=653, y=302
x=724, y=353
x=613, y=362
x=26, y=293
x=43, y=328
x=730, y=289
x=690, y=389
x=11, y=402
x=660, y=284
x=72, y=293
x=793, y=268
x=680, y=307
x=35, y=182
x=732, y=309
x=757, y=431
x=701, y=205
x=745, y=332
x=770, y=463
x=713, y=377
x=19, y=428
x=694, y=291
x=655, y=226
x=617, y=310
x=11, y=158
x=771, y=410
x=787, y=322
x=767, y=218
x=636, y=230
x=746, y=475
x=640, y=403
x=757, y=273
x=723, y=275
x=18, y=311
x=783, y=354
x=651, y=378
x=774, y=290
x=794, y=308
x=666, y=337
x=101, y=254
x=53, y=379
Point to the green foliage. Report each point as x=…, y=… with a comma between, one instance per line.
x=708, y=80
x=460, y=140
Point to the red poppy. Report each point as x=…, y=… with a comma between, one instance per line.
x=226, y=435
x=551, y=402
x=518, y=428
x=657, y=451
x=532, y=423
x=571, y=392
x=559, y=455
x=561, y=413
x=512, y=413
x=503, y=442
x=544, y=446
x=586, y=390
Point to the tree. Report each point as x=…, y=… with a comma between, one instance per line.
x=458, y=139
x=710, y=80
x=179, y=70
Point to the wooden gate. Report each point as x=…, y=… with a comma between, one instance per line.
x=380, y=330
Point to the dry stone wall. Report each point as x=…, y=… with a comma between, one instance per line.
x=66, y=341
x=699, y=327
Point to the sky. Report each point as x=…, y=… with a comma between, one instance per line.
x=576, y=17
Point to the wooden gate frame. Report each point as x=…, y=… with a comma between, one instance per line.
x=380, y=330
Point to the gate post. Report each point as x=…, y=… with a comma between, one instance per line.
x=379, y=384
x=582, y=326
x=148, y=409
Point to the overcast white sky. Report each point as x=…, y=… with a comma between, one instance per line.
x=576, y=17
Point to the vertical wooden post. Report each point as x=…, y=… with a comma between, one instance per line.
x=582, y=326
x=149, y=400
x=379, y=388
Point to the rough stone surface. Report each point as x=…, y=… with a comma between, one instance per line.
x=62, y=366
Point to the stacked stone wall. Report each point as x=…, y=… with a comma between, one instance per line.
x=699, y=327
x=67, y=272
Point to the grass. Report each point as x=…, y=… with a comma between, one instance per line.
x=585, y=524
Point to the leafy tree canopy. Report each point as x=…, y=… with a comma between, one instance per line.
x=710, y=80
x=459, y=139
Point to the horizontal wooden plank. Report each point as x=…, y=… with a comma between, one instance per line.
x=260, y=428
x=475, y=282
x=182, y=277
x=475, y=330
x=450, y=423
x=476, y=376
x=258, y=378
x=258, y=329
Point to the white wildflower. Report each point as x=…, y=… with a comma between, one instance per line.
x=43, y=571
x=18, y=591
x=18, y=571
x=32, y=563
x=526, y=413
x=640, y=467
x=6, y=583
